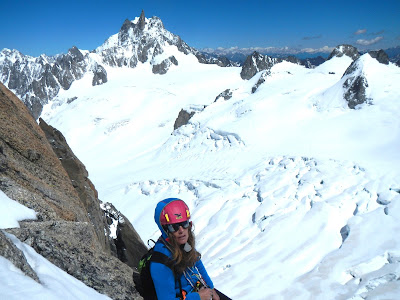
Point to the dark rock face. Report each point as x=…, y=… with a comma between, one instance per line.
x=183, y=118
x=380, y=56
x=227, y=94
x=355, y=85
x=69, y=68
x=142, y=21
x=311, y=63
x=70, y=227
x=11, y=252
x=100, y=75
x=32, y=174
x=293, y=60
x=71, y=246
x=344, y=232
x=261, y=80
x=347, y=50
x=164, y=66
x=78, y=175
x=355, y=91
x=128, y=246
x=256, y=63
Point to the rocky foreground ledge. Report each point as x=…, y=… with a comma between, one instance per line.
x=39, y=170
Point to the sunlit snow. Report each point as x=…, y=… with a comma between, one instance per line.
x=54, y=282
x=293, y=195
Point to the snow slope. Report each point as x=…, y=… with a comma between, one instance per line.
x=293, y=195
x=55, y=283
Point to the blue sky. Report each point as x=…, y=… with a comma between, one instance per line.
x=52, y=27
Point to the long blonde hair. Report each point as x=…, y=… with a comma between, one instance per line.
x=182, y=258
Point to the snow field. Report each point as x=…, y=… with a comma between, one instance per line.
x=54, y=282
x=292, y=194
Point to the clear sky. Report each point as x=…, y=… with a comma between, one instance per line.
x=51, y=27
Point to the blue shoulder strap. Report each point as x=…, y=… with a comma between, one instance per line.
x=162, y=258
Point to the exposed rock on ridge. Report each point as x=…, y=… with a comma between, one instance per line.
x=164, y=66
x=142, y=21
x=356, y=84
x=64, y=232
x=347, y=50
x=38, y=80
x=256, y=63
x=30, y=171
x=128, y=246
x=79, y=179
x=11, y=252
x=142, y=40
x=380, y=56
x=183, y=118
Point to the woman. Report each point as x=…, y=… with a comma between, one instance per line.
x=189, y=280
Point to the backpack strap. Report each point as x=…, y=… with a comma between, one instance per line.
x=162, y=258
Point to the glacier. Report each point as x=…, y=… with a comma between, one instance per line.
x=293, y=194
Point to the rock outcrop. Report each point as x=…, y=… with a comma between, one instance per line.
x=347, y=50
x=78, y=176
x=356, y=84
x=11, y=252
x=380, y=56
x=261, y=80
x=226, y=95
x=255, y=63
x=313, y=62
x=99, y=75
x=30, y=171
x=70, y=227
x=128, y=246
x=183, y=118
x=142, y=21
x=164, y=66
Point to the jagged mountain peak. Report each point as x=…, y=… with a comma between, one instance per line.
x=38, y=80
x=142, y=21
x=344, y=49
x=132, y=33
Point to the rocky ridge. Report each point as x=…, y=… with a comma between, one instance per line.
x=71, y=230
x=38, y=80
x=355, y=81
x=354, y=85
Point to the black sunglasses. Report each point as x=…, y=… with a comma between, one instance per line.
x=175, y=227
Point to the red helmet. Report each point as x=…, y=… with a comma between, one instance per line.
x=175, y=211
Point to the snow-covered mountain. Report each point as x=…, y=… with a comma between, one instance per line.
x=313, y=56
x=292, y=174
x=293, y=180
x=37, y=80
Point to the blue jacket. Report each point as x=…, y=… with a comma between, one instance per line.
x=163, y=277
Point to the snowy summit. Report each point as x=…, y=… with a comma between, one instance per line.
x=292, y=176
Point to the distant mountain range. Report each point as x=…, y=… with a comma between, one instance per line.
x=318, y=57
x=38, y=80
